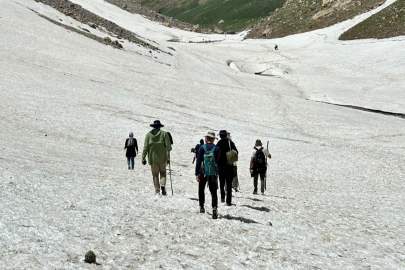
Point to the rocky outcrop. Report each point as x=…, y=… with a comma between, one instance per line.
x=218, y=31
x=197, y=28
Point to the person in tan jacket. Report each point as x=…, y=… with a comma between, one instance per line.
x=157, y=147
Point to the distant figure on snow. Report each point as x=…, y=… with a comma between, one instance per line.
x=132, y=150
x=157, y=146
x=196, y=149
x=276, y=47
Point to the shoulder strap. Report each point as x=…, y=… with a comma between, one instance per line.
x=213, y=148
x=205, y=148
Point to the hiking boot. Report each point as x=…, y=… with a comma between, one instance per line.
x=202, y=210
x=163, y=191
x=255, y=192
x=214, y=213
x=228, y=204
x=262, y=192
x=222, y=200
x=129, y=167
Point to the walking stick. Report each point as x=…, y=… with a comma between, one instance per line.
x=265, y=176
x=170, y=175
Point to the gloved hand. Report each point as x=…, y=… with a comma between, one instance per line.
x=144, y=161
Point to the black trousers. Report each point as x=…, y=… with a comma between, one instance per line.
x=226, y=176
x=212, y=185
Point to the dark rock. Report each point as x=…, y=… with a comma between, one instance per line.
x=90, y=257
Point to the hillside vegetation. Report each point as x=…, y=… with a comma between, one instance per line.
x=390, y=22
x=298, y=16
x=284, y=18
x=228, y=15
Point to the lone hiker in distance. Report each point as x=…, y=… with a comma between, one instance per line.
x=157, y=146
x=206, y=171
x=132, y=150
x=258, y=165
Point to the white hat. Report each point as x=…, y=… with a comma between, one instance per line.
x=210, y=134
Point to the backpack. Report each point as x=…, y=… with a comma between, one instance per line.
x=208, y=163
x=260, y=161
x=196, y=149
x=170, y=138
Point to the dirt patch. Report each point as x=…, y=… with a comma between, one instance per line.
x=106, y=41
x=390, y=22
x=299, y=16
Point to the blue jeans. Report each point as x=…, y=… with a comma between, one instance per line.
x=132, y=160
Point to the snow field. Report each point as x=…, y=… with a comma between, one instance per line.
x=336, y=179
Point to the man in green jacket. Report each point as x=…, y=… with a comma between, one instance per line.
x=157, y=146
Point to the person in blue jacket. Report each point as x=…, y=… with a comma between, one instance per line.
x=202, y=179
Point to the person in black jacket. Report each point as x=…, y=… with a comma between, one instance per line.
x=196, y=149
x=132, y=149
x=225, y=169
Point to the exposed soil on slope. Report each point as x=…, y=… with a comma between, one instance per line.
x=299, y=16
x=84, y=16
x=390, y=22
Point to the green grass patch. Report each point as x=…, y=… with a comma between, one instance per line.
x=236, y=14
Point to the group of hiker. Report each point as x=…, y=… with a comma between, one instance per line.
x=213, y=162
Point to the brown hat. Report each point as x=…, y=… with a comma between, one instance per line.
x=258, y=143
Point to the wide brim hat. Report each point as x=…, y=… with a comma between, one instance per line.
x=258, y=143
x=156, y=123
x=210, y=134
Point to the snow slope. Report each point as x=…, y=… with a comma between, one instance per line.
x=336, y=180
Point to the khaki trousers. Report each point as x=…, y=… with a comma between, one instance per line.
x=255, y=180
x=156, y=169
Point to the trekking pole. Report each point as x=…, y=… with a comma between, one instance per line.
x=265, y=176
x=170, y=175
